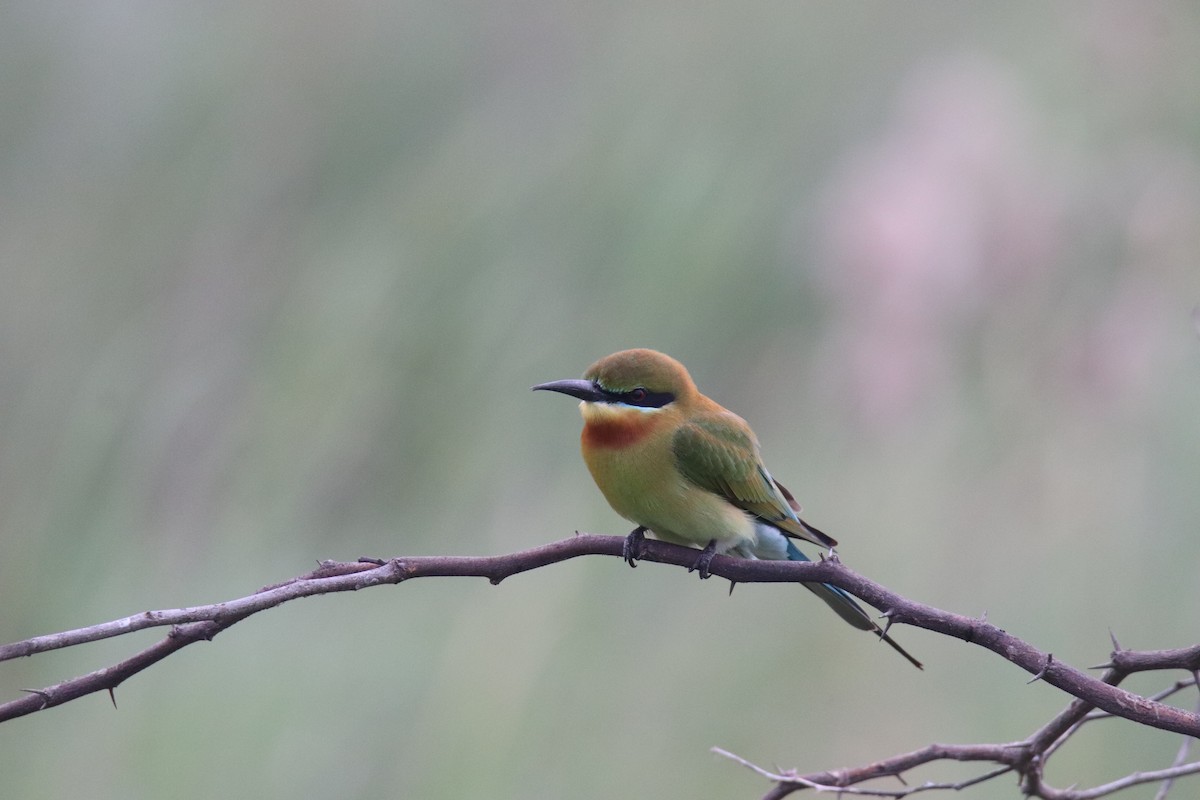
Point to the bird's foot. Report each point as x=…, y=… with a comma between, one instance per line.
x=705, y=560
x=631, y=551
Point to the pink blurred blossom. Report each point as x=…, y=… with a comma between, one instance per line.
x=949, y=207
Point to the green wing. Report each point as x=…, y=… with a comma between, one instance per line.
x=724, y=459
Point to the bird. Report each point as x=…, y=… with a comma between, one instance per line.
x=687, y=470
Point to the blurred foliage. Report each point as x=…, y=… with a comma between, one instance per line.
x=278, y=277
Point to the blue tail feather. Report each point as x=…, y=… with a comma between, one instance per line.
x=794, y=553
x=838, y=600
x=845, y=605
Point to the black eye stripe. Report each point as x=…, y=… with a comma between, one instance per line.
x=643, y=398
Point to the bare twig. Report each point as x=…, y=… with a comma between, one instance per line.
x=843, y=781
x=1182, y=755
x=1013, y=756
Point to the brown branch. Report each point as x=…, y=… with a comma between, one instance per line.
x=844, y=781
x=1027, y=758
x=1182, y=756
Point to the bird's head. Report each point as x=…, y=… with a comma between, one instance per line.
x=641, y=379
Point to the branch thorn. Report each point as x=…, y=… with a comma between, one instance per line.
x=44, y=695
x=1042, y=672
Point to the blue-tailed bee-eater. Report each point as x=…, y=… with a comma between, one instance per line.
x=686, y=470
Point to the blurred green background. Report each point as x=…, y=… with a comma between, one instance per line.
x=277, y=278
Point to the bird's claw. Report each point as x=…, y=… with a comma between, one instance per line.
x=705, y=561
x=631, y=551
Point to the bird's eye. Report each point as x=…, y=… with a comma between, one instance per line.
x=642, y=397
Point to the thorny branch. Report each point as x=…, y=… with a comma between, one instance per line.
x=1094, y=697
x=1027, y=758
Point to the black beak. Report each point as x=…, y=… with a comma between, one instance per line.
x=587, y=391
